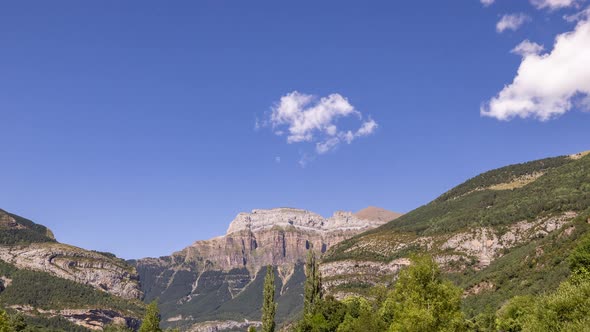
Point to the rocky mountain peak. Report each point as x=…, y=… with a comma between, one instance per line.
x=262, y=219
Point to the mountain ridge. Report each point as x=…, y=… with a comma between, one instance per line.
x=225, y=269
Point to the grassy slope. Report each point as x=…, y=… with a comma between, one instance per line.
x=532, y=268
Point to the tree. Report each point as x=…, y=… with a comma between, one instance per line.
x=423, y=301
x=116, y=328
x=18, y=322
x=313, y=284
x=252, y=328
x=269, y=306
x=151, y=320
x=579, y=258
x=5, y=325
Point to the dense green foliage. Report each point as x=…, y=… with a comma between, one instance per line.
x=151, y=320
x=566, y=309
x=269, y=307
x=420, y=301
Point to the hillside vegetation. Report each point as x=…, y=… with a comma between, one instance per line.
x=18, y=230
x=547, y=189
x=564, y=186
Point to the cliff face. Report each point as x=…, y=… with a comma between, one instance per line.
x=273, y=237
x=279, y=237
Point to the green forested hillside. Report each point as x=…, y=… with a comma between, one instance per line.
x=563, y=186
x=18, y=230
x=496, y=201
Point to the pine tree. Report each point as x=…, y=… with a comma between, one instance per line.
x=151, y=320
x=269, y=306
x=313, y=284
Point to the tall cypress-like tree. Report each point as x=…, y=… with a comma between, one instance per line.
x=269, y=306
x=151, y=320
x=313, y=283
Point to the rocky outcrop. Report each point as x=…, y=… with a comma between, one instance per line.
x=105, y=273
x=476, y=248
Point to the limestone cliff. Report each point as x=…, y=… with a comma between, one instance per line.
x=279, y=237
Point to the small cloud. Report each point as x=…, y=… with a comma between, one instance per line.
x=487, y=3
x=554, y=4
x=367, y=128
x=277, y=159
x=527, y=48
x=304, y=118
x=305, y=159
x=579, y=16
x=323, y=147
x=511, y=22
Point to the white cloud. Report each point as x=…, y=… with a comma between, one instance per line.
x=511, y=22
x=582, y=15
x=277, y=159
x=527, y=48
x=325, y=146
x=553, y=4
x=305, y=118
x=367, y=128
x=487, y=2
x=547, y=85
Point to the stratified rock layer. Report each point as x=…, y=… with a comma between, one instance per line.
x=82, y=266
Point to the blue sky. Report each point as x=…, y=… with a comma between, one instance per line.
x=130, y=126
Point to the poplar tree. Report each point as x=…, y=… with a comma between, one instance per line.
x=313, y=284
x=269, y=306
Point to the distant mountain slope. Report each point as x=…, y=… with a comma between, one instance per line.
x=18, y=230
x=221, y=278
x=48, y=281
x=513, y=223
x=377, y=214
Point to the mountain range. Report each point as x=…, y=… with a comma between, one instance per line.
x=503, y=233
